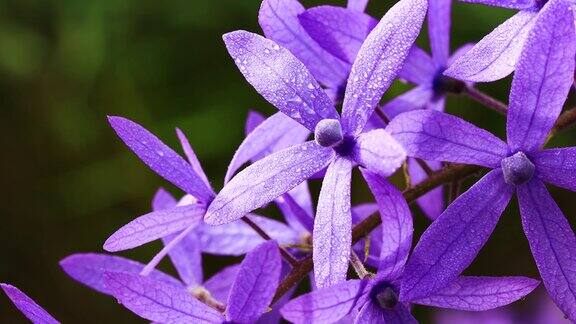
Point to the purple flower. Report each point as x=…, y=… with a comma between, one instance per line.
x=34, y=312
x=339, y=143
x=496, y=55
x=375, y=300
x=243, y=292
x=541, y=83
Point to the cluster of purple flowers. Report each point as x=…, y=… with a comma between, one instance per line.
x=310, y=61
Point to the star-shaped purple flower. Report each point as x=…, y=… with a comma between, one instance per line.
x=496, y=55
x=375, y=300
x=339, y=144
x=541, y=83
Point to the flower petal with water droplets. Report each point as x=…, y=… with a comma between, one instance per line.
x=437, y=136
x=379, y=60
x=556, y=166
x=510, y=4
x=439, y=30
x=494, y=57
x=379, y=152
x=267, y=179
x=544, y=76
x=332, y=235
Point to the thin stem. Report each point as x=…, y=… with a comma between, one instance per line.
x=485, y=99
x=382, y=116
x=454, y=190
x=285, y=254
x=358, y=265
x=447, y=174
x=424, y=166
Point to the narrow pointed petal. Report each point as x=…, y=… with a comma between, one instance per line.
x=237, y=238
x=28, y=307
x=332, y=235
x=279, y=21
x=396, y=225
x=432, y=203
x=192, y=158
x=418, y=68
x=280, y=78
x=379, y=60
x=338, y=30
x=480, y=293
x=358, y=5
x=255, y=284
x=157, y=301
x=267, y=179
x=372, y=313
x=459, y=52
x=439, y=30
x=327, y=305
x=219, y=284
x=413, y=99
x=89, y=269
x=552, y=242
x=494, y=57
x=379, y=152
x=252, y=121
x=453, y=240
x=186, y=257
x=544, y=75
x=163, y=200
x=437, y=136
x=295, y=215
x=275, y=133
x=556, y=166
x=510, y=4
x=160, y=158
x=154, y=225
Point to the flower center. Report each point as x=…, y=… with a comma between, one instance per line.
x=443, y=84
x=385, y=295
x=328, y=132
x=517, y=169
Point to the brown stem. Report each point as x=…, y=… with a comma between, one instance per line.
x=447, y=174
x=454, y=190
x=285, y=254
x=485, y=99
x=424, y=166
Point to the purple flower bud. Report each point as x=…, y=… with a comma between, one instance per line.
x=517, y=169
x=328, y=132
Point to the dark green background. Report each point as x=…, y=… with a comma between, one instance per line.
x=67, y=182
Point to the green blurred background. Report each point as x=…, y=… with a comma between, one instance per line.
x=67, y=182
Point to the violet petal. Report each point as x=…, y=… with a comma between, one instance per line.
x=396, y=225
x=158, y=301
x=276, y=133
x=439, y=30
x=453, y=240
x=379, y=152
x=279, y=21
x=494, y=57
x=557, y=166
x=338, y=30
x=267, y=179
x=255, y=284
x=552, y=243
x=153, y=226
x=480, y=293
x=379, y=60
x=160, y=158
x=327, y=305
x=332, y=235
x=544, y=75
x=437, y=136
x=28, y=307
x=89, y=269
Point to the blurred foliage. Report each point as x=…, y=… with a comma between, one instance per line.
x=67, y=182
